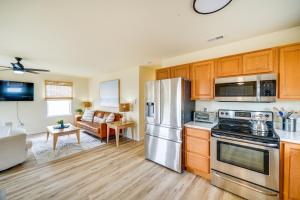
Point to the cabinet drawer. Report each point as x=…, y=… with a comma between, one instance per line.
x=197, y=145
x=200, y=133
x=197, y=162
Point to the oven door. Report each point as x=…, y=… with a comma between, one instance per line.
x=251, y=162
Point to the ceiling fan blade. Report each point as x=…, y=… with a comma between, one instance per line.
x=6, y=67
x=29, y=71
x=38, y=70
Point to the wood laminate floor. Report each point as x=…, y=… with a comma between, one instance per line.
x=105, y=172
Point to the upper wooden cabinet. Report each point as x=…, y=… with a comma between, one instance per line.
x=163, y=73
x=291, y=170
x=181, y=71
x=259, y=62
x=289, y=72
x=202, y=76
x=229, y=66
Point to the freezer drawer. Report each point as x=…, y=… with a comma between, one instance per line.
x=164, y=152
x=164, y=132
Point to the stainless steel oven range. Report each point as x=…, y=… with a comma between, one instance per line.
x=243, y=161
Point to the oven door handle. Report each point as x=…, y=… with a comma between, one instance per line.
x=244, y=185
x=250, y=142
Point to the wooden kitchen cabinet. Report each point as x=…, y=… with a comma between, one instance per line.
x=290, y=163
x=289, y=72
x=163, y=73
x=259, y=62
x=197, y=151
x=229, y=66
x=181, y=71
x=202, y=77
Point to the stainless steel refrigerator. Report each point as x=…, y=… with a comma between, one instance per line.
x=168, y=107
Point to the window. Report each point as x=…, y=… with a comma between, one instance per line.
x=59, y=97
x=59, y=108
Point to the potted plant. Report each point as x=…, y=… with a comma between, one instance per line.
x=61, y=123
x=79, y=111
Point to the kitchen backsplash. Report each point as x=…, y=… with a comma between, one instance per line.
x=214, y=105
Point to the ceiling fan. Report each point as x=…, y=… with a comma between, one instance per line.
x=18, y=68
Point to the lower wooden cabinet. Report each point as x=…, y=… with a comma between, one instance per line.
x=197, y=151
x=290, y=170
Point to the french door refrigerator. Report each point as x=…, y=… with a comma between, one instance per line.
x=168, y=107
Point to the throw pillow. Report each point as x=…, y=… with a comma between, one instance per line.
x=99, y=120
x=88, y=115
x=110, y=118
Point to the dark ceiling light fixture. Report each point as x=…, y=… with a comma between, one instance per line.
x=205, y=7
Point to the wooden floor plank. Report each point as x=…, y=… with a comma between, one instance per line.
x=105, y=172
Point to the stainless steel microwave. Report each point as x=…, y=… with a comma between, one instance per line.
x=253, y=88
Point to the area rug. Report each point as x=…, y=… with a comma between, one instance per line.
x=66, y=145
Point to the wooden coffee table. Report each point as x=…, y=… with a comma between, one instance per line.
x=61, y=132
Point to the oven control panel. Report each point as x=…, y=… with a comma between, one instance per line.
x=243, y=114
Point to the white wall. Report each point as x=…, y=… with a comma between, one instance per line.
x=129, y=92
x=34, y=113
x=286, y=36
x=264, y=41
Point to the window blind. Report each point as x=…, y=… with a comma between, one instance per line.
x=58, y=90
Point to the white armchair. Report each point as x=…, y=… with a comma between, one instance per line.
x=13, y=147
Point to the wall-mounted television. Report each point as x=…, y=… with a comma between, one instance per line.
x=16, y=91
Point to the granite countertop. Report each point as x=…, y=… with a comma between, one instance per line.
x=285, y=136
x=200, y=125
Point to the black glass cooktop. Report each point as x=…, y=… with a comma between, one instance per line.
x=242, y=129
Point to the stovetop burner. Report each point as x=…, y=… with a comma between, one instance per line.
x=242, y=128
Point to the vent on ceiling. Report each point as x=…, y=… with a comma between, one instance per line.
x=216, y=38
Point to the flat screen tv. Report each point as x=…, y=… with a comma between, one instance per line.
x=16, y=91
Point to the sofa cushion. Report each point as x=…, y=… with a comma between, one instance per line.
x=99, y=120
x=110, y=118
x=88, y=115
x=89, y=125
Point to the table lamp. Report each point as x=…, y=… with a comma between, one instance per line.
x=87, y=104
x=124, y=107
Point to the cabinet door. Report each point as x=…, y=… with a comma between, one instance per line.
x=202, y=75
x=289, y=67
x=197, y=162
x=229, y=66
x=181, y=71
x=163, y=73
x=259, y=62
x=291, y=173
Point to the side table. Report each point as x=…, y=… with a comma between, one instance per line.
x=117, y=126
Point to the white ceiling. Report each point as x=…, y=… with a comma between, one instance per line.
x=87, y=38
